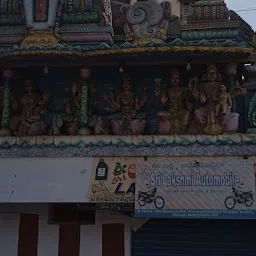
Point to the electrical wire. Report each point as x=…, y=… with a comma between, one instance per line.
x=246, y=10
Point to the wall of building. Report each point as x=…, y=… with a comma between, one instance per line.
x=39, y=180
x=23, y=234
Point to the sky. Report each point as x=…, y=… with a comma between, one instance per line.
x=239, y=5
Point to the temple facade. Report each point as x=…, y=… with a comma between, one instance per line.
x=120, y=119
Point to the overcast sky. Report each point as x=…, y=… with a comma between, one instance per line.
x=248, y=16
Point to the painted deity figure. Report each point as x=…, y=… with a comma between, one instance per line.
x=69, y=122
x=41, y=6
x=208, y=117
x=153, y=106
x=147, y=21
x=224, y=101
x=32, y=107
x=179, y=102
x=126, y=119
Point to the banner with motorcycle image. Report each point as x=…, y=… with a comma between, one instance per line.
x=112, y=180
x=189, y=188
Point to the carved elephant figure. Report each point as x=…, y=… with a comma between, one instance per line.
x=146, y=20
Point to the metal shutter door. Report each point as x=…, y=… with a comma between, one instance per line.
x=195, y=238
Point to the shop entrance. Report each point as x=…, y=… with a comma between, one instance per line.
x=172, y=237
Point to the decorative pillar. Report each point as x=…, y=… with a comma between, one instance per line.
x=85, y=77
x=41, y=17
x=5, y=130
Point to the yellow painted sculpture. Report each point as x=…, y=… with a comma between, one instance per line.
x=179, y=101
x=32, y=106
x=127, y=121
x=208, y=116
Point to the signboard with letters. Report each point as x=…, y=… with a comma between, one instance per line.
x=113, y=180
x=189, y=188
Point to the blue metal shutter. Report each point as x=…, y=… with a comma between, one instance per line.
x=195, y=238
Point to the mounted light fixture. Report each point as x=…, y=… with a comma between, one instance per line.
x=85, y=72
x=121, y=69
x=188, y=67
x=46, y=70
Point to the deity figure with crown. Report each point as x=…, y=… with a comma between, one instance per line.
x=32, y=106
x=125, y=119
x=69, y=122
x=179, y=101
x=212, y=91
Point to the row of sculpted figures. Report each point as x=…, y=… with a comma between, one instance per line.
x=199, y=108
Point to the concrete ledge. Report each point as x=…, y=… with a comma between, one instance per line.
x=176, y=145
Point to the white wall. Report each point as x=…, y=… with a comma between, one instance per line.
x=48, y=237
x=44, y=179
x=9, y=233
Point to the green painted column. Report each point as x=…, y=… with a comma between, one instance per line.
x=85, y=74
x=6, y=114
x=84, y=106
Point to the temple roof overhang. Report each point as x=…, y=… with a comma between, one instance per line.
x=175, y=50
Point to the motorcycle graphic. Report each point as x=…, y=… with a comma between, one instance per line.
x=150, y=197
x=239, y=197
x=99, y=188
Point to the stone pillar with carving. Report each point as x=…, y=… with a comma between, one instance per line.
x=5, y=130
x=85, y=74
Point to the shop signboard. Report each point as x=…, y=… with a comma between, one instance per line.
x=189, y=188
x=112, y=180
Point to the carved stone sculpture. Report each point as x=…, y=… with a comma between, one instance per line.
x=205, y=10
x=224, y=101
x=85, y=21
x=205, y=116
x=32, y=107
x=147, y=21
x=153, y=106
x=70, y=121
x=40, y=18
x=106, y=12
x=127, y=121
x=214, y=116
x=67, y=122
x=179, y=101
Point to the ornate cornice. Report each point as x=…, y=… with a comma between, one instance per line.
x=176, y=145
x=210, y=25
x=105, y=49
x=166, y=49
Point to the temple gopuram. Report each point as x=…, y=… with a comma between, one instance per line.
x=106, y=78
x=97, y=94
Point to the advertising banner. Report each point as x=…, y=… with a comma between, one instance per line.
x=112, y=180
x=203, y=188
